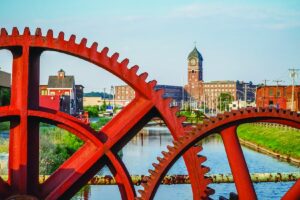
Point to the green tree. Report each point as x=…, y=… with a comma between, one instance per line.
x=55, y=150
x=226, y=99
x=92, y=110
x=103, y=106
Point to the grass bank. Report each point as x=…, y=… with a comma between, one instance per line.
x=281, y=140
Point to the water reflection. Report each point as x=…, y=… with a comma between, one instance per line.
x=143, y=149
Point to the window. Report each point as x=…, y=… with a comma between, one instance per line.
x=271, y=91
x=44, y=92
x=278, y=93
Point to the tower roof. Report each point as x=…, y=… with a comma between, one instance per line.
x=195, y=54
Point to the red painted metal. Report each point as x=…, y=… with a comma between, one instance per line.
x=238, y=164
x=101, y=147
x=224, y=124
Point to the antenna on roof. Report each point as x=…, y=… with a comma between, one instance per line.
x=195, y=43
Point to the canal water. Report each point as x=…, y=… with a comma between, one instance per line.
x=141, y=151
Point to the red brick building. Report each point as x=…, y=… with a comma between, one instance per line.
x=124, y=92
x=278, y=96
x=62, y=94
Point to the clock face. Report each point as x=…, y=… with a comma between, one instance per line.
x=193, y=61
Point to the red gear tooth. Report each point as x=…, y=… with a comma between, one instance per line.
x=170, y=148
x=114, y=58
x=72, y=39
x=176, y=143
x=93, y=51
x=167, y=101
x=152, y=172
x=3, y=32
x=83, y=43
x=38, y=32
x=104, y=51
x=152, y=83
x=143, y=76
x=164, y=153
x=160, y=159
x=124, y=63
x=201, y=158
x=134, y=69
x=26, y=31
x=160, y=92
x=49, y=34
x=61, y=36
x=144, y=185
x=15, y=31
x=155, y=165
x=142, y=192
x=174, y=109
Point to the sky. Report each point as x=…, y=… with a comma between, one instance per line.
x=239, y=40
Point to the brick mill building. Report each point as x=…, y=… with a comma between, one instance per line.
x=278, y=96
x=62, y=94
x=208, y=93
x=124, y=93
x=196, y=92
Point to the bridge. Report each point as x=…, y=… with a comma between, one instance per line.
x=101, y=148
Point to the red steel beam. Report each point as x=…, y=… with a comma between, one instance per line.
x=238, y=164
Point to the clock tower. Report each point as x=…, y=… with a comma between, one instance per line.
x=195, y=71
x=194, y=88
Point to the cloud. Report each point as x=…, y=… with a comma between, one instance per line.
x=267, y=17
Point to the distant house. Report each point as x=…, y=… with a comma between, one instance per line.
x=62, y=94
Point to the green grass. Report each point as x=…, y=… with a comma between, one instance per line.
x=101, y=122
x=278, y=139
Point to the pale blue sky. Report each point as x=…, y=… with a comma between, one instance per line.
x=239, y=40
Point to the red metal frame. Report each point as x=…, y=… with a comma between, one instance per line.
x=101, y=147
x=226, y=125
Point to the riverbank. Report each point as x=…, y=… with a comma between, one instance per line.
x=278, y=141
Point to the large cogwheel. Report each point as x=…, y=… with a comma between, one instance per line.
x=225, y=125
x=100, y=148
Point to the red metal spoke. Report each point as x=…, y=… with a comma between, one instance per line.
x=70, y=172
x=23, y=156
x=122, y=176
x=293, y=192
x=129, y=117
x=238, y=164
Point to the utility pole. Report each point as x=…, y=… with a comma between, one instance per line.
x=276, y=92
x=293, y=75
x=204, y=108
x=112, y=89
x=264, y=95
x=245, y=93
